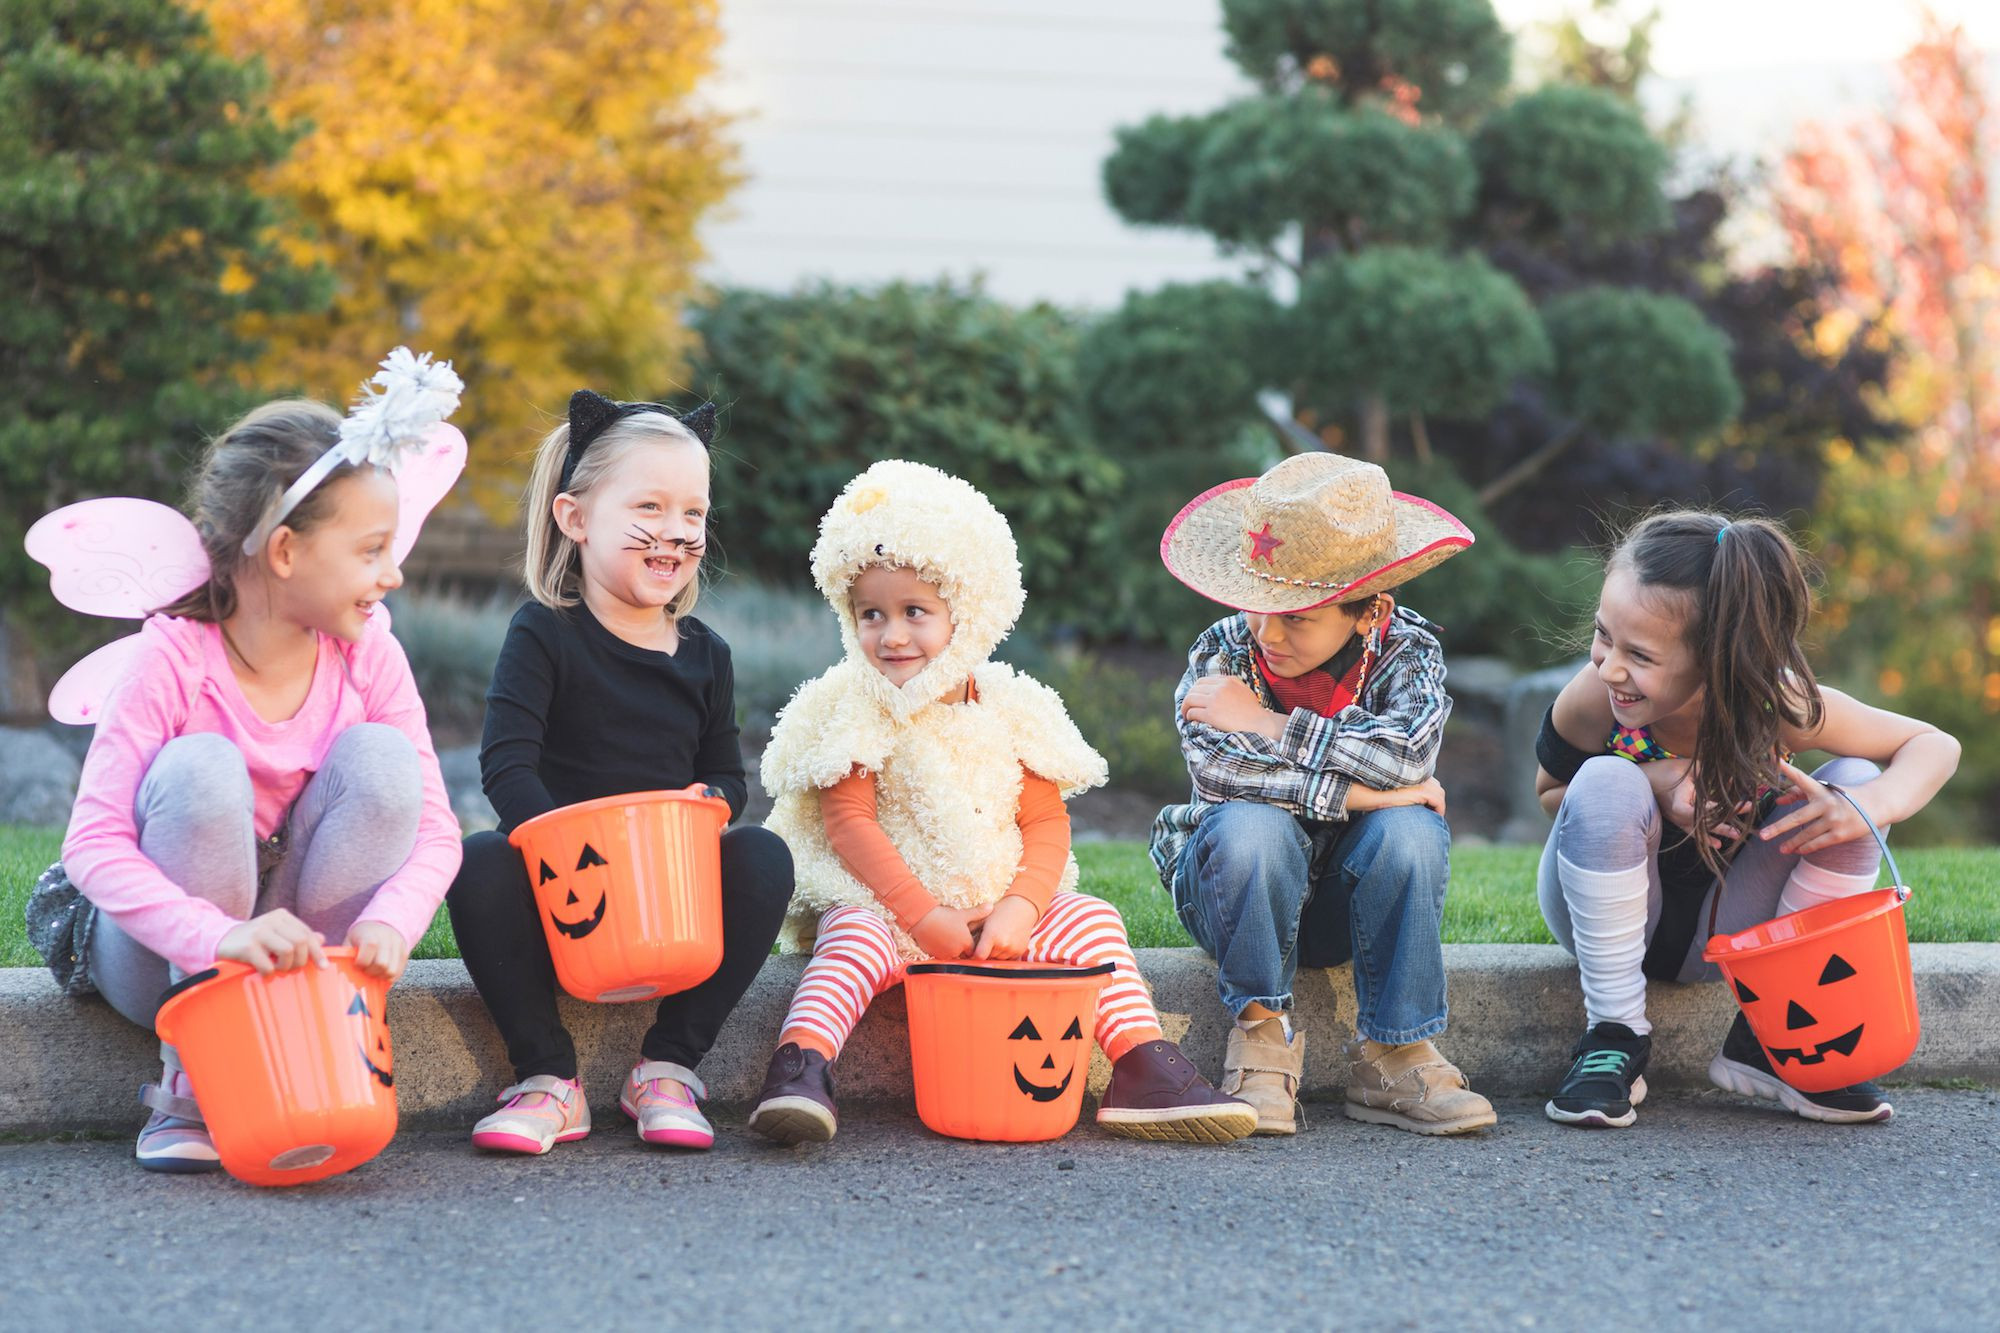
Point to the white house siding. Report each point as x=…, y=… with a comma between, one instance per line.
x=913, y=138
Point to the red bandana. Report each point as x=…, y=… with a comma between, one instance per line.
x=1316, y=689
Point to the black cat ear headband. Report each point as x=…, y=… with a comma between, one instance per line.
x=591, y=413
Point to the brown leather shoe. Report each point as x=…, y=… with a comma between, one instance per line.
x=1264, y=1069
x=796, y=1104
x=1412, y=1087
x=1157, y=1093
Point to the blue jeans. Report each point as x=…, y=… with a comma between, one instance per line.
x=1262, y=890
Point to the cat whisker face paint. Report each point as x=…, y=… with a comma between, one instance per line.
x=639, y=539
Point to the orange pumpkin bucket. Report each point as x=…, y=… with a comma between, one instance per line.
x=294, y=1071
x=1828, y=992
x=630, y=891
x=1001, y=1050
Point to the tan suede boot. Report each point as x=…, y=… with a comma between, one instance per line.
x=1412, y=1087
x=1263, y=1069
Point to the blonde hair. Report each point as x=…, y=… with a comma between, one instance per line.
x=553, y=566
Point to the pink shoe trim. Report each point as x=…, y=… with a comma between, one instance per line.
x=502, y=1141
x=679, y=1138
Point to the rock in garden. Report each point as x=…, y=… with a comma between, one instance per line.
x=37, y=778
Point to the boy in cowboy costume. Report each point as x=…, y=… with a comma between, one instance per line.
x=1310, y=720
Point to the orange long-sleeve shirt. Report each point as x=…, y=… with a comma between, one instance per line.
x=854, y=832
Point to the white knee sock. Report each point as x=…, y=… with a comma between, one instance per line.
x=1810, y=885
x=1607, y=914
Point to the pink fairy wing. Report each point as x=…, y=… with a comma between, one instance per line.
x=118, y=556
x=422, y=479
x=79, y=696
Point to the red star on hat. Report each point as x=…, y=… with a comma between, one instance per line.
x=1262, y=543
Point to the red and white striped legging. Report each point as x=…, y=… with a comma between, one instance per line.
x=856, y=960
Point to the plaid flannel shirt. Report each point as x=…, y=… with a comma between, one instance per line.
x=1388, y=738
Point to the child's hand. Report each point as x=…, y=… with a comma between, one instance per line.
x=1674, y=788
x=274, y=942
x=1227, y=704
x=1004, y=933
x=1823, y=819
x=379, y=949
x=1672, y=781
x=1676, y=794
x=946, y=932
x=1429, y=792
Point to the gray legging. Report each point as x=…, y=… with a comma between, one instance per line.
x=350, y=829
x=1610, y=819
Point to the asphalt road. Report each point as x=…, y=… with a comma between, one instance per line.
x=1710, y=1213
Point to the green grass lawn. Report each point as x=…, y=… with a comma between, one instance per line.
x=1492, y=894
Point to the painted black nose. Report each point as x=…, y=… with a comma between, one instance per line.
x=1796, y=1017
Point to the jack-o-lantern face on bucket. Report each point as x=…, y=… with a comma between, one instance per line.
x=1825, y=1022
x=373, y=1042
x=1043, y=1092
x=577, y=927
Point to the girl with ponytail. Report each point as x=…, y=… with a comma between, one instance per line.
x=1667, y=763
x=607, y=686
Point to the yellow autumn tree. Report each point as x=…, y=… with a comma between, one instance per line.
x=515, y=185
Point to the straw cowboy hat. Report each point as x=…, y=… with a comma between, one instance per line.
x=1315, y=529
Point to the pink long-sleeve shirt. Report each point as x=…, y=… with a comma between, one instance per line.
x=180, y=682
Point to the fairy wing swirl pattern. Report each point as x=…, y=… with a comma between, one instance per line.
x=118, y=557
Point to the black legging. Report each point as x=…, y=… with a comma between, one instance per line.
x=500, y=937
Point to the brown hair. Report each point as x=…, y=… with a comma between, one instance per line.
x=553, y=566
x=244, y=472
x=1746, y=598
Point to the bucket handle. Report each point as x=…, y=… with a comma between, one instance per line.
x=1888, y=858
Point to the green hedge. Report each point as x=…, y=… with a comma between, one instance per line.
x=822, y=381
x=1089, y=433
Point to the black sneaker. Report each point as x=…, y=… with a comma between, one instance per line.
x=1606, y=1082
x=796, y=1103
x=1743, y=1067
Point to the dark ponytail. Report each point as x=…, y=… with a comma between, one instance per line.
x=1748, y=599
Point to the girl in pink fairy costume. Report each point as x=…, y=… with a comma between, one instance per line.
x=261, y=782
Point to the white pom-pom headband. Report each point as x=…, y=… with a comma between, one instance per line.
x=409, y=395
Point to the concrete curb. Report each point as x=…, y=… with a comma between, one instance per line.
x=1515, y=1010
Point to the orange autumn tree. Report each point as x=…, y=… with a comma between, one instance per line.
x=514, y=185
x=1897, y=211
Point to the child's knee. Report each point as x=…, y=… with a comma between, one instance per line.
x=1609, y=814
x=1847, y=771
x=1611, y=782
x=1409, y=844
x=383, y=757
x=201, y=785
x=758, y=863
x=491, y=868
x=1247, y=853
x=1094, y=917
x=852, y=924
x=856, y=938
x=1249, y=837
x=378, y=778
